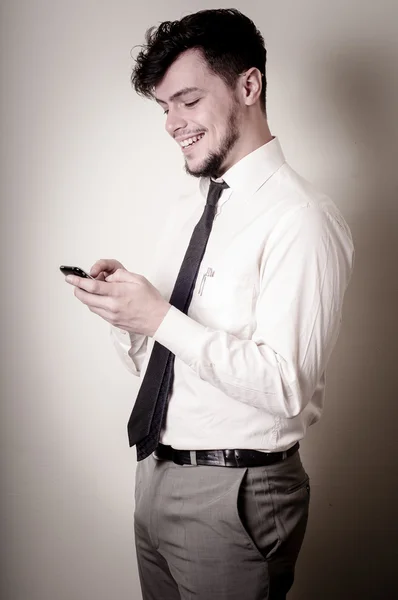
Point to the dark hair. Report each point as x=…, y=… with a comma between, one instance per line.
x=229, y=41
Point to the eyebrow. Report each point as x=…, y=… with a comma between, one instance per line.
x=178, y=94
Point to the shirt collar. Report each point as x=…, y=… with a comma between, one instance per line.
x=252, y=171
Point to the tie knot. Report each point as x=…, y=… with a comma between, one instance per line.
x=215, y=191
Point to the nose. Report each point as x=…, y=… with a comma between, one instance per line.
x=174, y=122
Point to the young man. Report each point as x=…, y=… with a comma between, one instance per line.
x=232, y=336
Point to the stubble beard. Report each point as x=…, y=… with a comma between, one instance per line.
x=212, y=165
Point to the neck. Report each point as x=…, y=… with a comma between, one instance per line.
x=256, y=134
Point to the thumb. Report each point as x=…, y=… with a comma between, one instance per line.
x=120, y=275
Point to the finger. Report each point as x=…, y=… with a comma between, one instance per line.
x=93, y=286
x=104, y=264
x=94, y=301
x=122, y=275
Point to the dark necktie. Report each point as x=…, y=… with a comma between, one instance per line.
x=149, y=411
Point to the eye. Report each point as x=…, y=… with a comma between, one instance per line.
x=190, y=104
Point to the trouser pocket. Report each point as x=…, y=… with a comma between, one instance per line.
x=272, y=505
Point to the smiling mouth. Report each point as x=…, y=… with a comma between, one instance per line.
x=187, y=145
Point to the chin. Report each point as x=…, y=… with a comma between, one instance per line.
x=192, y=171
x=194, y=167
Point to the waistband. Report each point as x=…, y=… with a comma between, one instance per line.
x=223, y=458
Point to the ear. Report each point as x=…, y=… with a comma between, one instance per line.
x=250, y=86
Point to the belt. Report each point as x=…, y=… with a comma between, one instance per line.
x=223, y=458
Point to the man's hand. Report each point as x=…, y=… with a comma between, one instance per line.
x=105, y=267
x=126, y=300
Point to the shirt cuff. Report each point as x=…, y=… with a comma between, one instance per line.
x=181, y=334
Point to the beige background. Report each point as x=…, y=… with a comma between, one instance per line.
x=87, y=171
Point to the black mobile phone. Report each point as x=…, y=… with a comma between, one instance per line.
x=66, y=270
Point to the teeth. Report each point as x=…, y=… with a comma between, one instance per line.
x=191, y=140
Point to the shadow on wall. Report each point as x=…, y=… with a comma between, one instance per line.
x=351, y=548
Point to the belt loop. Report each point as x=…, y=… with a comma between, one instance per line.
x=284, y=455
x=192, y=454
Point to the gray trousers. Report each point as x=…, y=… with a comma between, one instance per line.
x=219, y=533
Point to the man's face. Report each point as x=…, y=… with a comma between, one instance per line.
x=203, y=115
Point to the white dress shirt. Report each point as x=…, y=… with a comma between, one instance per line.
x=251, y=354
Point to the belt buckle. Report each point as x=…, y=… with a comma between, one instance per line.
x=231, y=458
